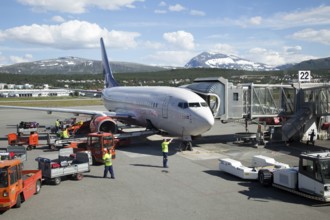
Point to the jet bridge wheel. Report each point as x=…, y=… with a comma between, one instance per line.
x=265, y=177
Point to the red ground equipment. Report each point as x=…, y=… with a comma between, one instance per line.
x=17, y=185
x=96, y=142
x=31, y=141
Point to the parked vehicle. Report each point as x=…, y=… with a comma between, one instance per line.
x=31, y=140
x=17, y=185
x=27, y=127
x=66, y=164
x=95, y=143
x=311, y=179
x=13, y=152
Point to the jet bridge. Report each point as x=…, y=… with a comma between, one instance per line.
x=299, y=105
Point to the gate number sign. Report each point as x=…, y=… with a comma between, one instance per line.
x=304, y=75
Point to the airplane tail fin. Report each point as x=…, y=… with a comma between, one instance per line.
x=109, y=80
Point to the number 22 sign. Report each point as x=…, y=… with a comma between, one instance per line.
x=304, y=75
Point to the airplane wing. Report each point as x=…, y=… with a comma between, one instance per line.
x=119, y=116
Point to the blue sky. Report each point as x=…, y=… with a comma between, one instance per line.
x=164, y=32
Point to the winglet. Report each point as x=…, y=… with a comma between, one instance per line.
x=109, y=80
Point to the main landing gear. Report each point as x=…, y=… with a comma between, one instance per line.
x=185, y=145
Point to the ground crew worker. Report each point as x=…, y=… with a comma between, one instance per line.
x=165, y=144
x=57, y=125
x=107, y=164
x=311, y=137
x=64, y=133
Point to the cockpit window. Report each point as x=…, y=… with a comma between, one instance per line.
x=194, y=104
x=183, y=104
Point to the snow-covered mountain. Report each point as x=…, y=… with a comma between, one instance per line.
x=73, y=65
x=223, y=61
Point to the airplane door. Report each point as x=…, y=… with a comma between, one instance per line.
x=165, y=106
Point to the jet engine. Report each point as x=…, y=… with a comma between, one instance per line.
x=103, y=123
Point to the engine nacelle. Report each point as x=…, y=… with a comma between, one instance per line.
x=103, y=123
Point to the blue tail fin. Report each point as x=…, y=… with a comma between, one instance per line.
x=109, y=80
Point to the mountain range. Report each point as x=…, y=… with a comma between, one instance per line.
x=74, y=65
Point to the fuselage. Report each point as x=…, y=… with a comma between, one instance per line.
x=177, y=111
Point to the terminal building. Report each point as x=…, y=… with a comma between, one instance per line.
x=27, y=90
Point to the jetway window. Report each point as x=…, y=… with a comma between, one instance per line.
x=235, y=96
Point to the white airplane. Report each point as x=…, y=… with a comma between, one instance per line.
x=176, y=111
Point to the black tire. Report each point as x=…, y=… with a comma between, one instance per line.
x=265, y=177
x=79, y=176
x=38, y=187
x=29, y=147
x=57, y=180
x=18, y=201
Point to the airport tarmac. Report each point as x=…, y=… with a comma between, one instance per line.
x=191, y=188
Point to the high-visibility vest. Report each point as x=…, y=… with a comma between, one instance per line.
x=165, y=146
x=57, y=123
x=107, y=159
x=65, y=134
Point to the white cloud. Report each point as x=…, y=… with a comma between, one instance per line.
x=180, y=39
x=292, y=50
x=17, y=59
x=160, y=11
x=176, y=8
x=162, y=4
x=275, y=58
x=299, y=18
x=77, y=7
x=255, y=20
x=319, y=15
x=319, y=36
x=153, y=45
x=224, y=48
x=197, y=13
x=171, y=58
x=313, y=16
x=58, y=19
x=70, y=35
x=262, y=55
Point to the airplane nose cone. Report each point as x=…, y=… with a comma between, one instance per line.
x=205, y=123
x=208, y=122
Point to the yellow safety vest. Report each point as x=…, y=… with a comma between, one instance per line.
x=165, y=146
x=57, y=123
x=107, y=159
x=65, y=134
